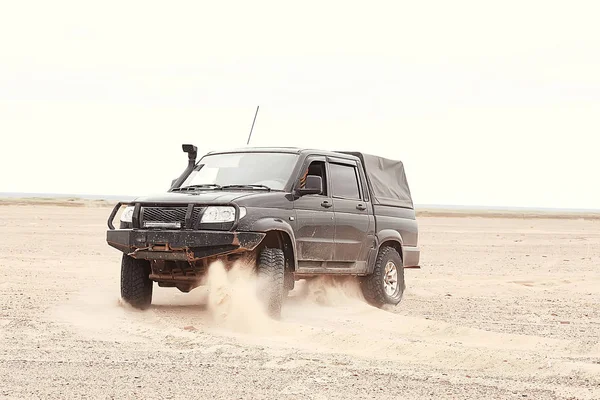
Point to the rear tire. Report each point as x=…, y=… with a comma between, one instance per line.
x=136, y=286
x=386, y=284
x=270, y=271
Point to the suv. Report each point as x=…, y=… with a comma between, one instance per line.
x=299, y=213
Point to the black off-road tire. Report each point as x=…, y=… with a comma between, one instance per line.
x=373, y=286
x=136, y=286
x=270, y=270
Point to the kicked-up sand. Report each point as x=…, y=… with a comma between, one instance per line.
x=503, y=308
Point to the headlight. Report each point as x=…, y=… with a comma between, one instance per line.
x=127, y=214
x=219, y=214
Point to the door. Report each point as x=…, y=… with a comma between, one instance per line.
x=315, y=225
x=354, y=222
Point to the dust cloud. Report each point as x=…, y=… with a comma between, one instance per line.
x=232, y=298
x=226, y=303
x=329, y=291
x=232, y=302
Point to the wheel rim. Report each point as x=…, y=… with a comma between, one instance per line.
x=390, y=278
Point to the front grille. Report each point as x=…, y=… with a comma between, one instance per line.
x=164, y=214
x=167, y=217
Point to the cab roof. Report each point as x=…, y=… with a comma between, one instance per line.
x=289, y=150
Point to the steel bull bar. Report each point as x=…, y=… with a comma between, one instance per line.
x=178, y=244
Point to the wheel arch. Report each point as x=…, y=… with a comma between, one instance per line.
x=278, y=234
x=391, y=238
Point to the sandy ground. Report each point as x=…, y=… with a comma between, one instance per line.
x=502, y=309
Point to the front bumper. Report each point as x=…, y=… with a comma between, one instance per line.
x=186, y=245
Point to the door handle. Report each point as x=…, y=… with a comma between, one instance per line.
x=326, y=204
x=361, y=207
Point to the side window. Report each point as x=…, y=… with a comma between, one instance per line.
x=344, y=181
x=316, y=168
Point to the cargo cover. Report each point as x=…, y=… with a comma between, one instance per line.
x=387, y=180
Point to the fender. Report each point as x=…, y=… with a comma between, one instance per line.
x=383, y=236
x=389, y=234
x=277, y=224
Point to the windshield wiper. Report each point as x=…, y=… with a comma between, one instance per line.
x=246, y=187
x=201, y=186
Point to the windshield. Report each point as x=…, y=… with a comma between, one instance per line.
x=271, y=170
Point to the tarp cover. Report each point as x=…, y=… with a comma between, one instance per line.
x=387, y=179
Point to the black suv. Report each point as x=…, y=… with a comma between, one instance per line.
x=299, y=212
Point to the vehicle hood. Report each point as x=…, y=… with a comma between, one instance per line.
x=204, y=197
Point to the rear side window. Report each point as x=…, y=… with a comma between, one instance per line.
x=344, y=181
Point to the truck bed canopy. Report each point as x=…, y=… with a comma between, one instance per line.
x=387, y=180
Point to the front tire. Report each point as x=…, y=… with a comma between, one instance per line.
x=136, y=286
x=386, y=284
x=270, y=271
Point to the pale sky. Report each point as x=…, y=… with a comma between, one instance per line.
x=486, y=103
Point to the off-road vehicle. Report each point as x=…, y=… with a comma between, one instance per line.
x=300, y=213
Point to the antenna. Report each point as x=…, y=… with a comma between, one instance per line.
x=250, y=135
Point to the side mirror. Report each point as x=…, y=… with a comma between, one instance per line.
x=313, y=185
